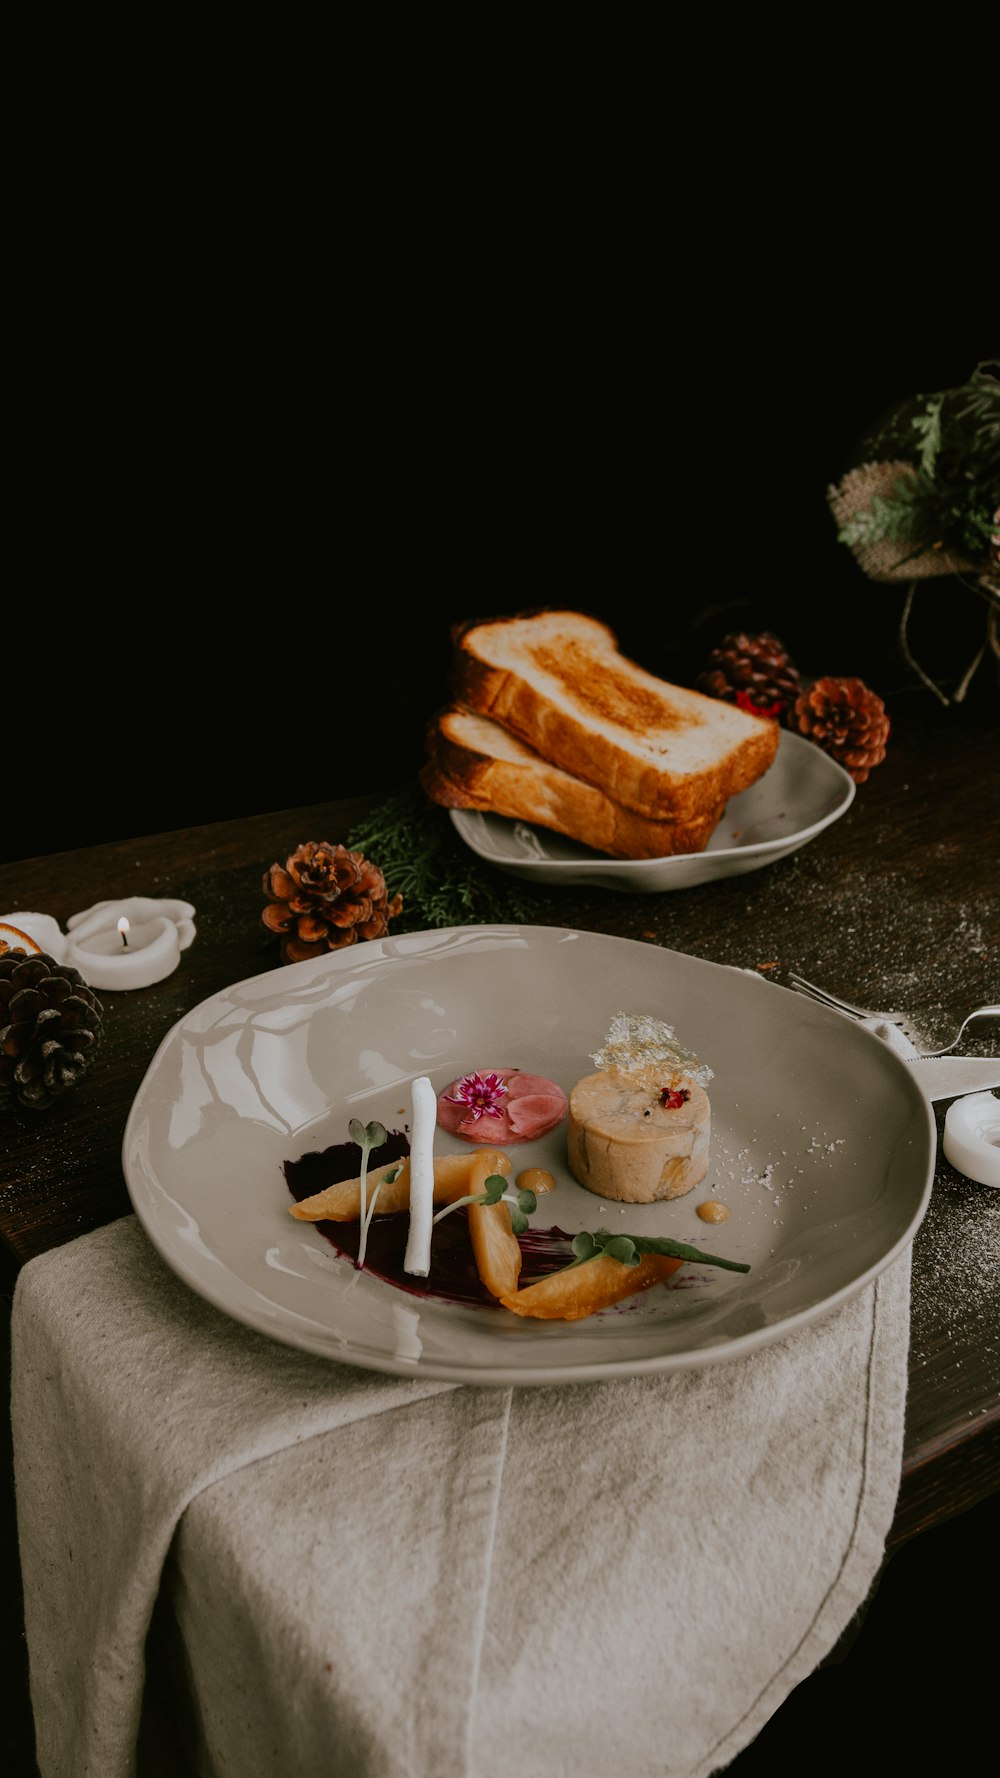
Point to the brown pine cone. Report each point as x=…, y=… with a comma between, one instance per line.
x=753, y=670
x=324, y=897
x=50, y=1028
x=846, y=719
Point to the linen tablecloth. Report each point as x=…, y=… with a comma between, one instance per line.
x=239, y=1558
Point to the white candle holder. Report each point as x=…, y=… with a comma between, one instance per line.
x=127, y=944
x=971, y=1138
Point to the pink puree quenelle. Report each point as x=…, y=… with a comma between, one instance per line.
x=501, y=1106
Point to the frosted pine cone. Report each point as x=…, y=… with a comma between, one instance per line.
x=324, y=897
x=846, y=719
x=754, y=671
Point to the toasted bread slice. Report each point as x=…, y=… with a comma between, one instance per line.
x=558, y=680
x=473, y=763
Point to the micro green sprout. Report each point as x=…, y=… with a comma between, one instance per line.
x=520, y=1204
x=367, y=1137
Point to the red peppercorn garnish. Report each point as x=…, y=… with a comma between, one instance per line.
x=672, y=1097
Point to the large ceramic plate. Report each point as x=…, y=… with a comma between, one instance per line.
x=800, y=794
x=822, y=1146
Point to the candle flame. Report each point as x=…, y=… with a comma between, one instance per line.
x=123, y=929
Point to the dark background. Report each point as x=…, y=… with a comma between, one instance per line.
x=249, y=531
x=246, y=557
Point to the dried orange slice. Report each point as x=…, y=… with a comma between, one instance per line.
x=13, y=939
x=582, y=1290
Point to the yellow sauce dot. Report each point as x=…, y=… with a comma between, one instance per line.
x=712, y=1211
x=535, y=1179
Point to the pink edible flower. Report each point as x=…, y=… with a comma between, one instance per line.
x=482, y=1094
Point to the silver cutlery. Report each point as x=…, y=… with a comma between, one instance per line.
x=899, y=1019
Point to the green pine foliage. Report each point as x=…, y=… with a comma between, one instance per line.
x=422, y=858
x=952, y=441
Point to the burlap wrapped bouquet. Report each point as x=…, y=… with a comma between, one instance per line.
x=866, y=490
x=921, y=503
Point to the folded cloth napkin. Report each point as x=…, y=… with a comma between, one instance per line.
x=242, y=1558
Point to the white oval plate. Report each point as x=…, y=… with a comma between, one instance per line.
x=822, y=1146
x=802, y=792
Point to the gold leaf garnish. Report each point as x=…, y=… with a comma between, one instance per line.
x=639, y=1041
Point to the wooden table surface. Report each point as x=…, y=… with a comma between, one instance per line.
x=896, y=904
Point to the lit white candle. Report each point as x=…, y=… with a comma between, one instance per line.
x=131, y=943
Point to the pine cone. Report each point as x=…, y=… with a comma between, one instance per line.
x=754, y=671
x=847, y=720
x=324, y=897
x=50, y=1028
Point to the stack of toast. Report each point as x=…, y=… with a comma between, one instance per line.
x=553, y=725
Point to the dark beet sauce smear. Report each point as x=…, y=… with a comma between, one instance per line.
x=453, y=1275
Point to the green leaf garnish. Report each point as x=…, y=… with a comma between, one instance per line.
x=680, y=1250
x=520, y=1210
x=367, y=1137
x=623, y=1248
x=628, y=1249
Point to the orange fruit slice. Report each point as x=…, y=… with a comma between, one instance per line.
x=495, y=1246
x=582, y=1290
